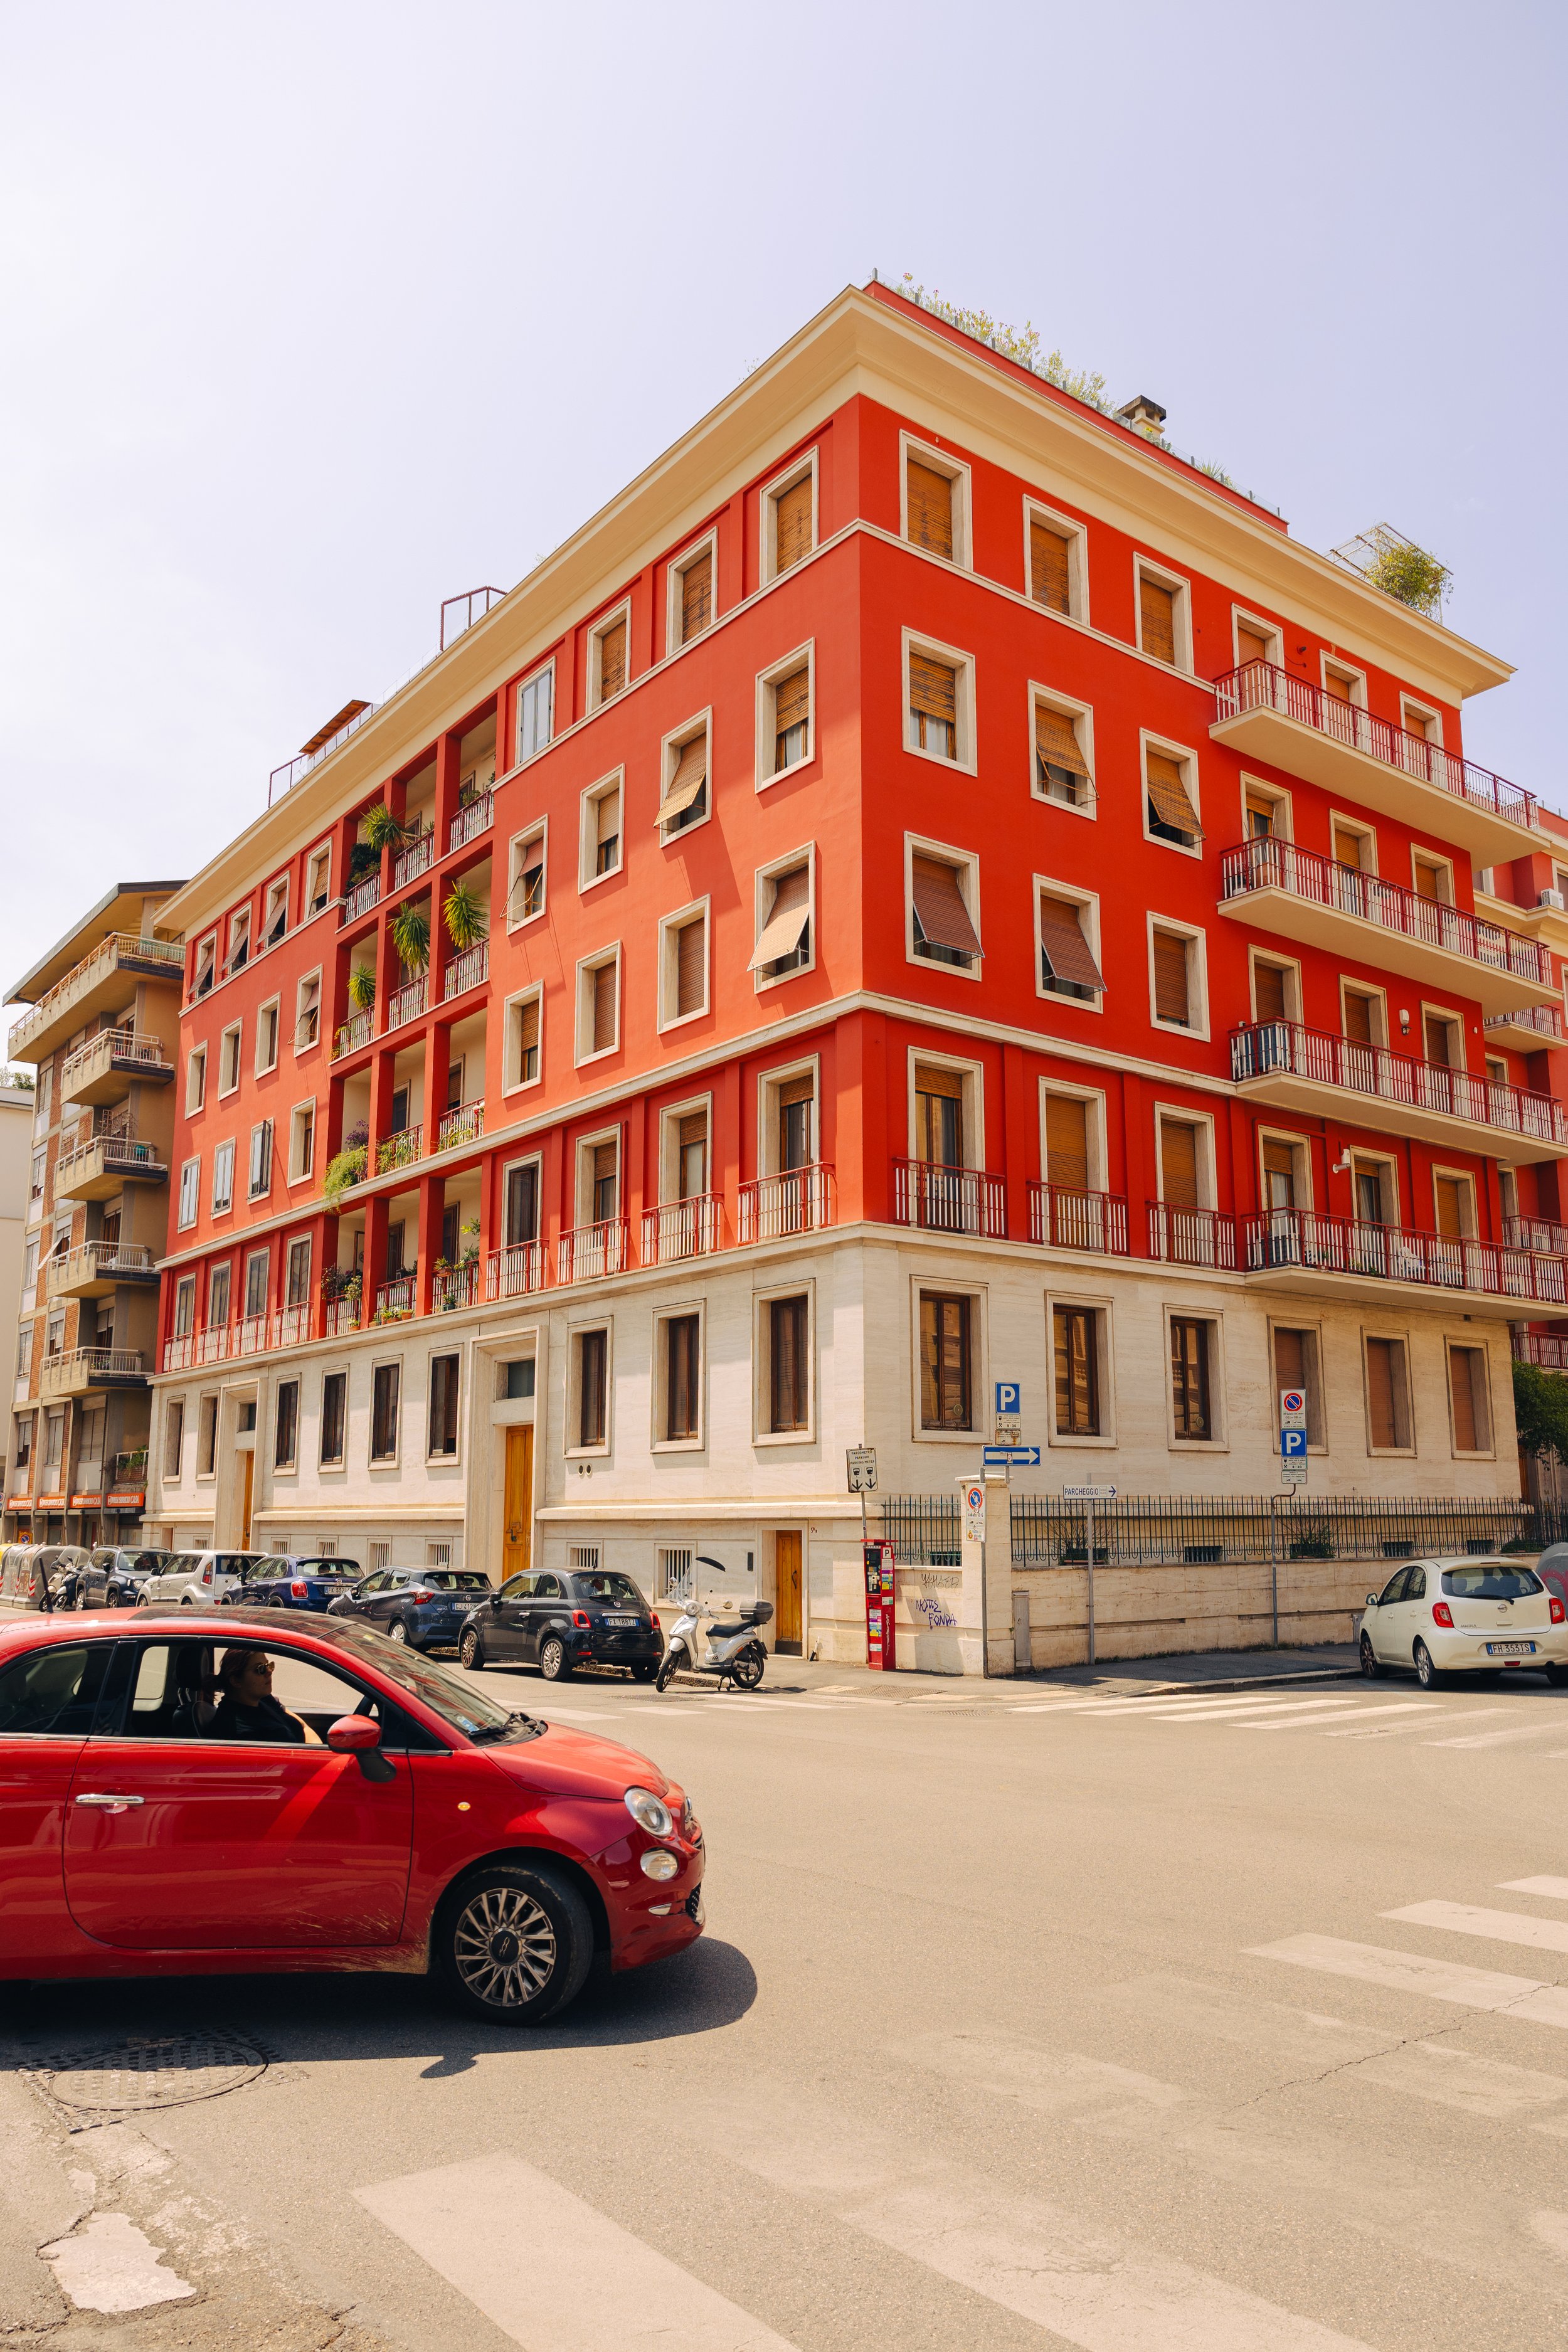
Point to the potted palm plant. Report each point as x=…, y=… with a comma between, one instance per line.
x=464, y=915
x=409, y=932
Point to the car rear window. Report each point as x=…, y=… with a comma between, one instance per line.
x=1490, y=1580
x=325, y=1567
x=619, y=1591
x=455, y=1580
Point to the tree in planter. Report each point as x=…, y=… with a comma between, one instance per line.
x=378, y=829
x=409, y=932
x=464, y=916
x=362, y=987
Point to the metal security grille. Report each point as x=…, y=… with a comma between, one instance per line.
x=1138, y=1529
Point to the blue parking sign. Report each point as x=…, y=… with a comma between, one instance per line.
x=1293, y=1445
x=1008, y=1396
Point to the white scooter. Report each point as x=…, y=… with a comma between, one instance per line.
x=734, y=1651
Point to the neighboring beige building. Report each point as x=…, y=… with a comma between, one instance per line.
x=16, y=1149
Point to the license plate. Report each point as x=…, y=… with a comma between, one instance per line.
x=1510, y=1649
x=620, y=1621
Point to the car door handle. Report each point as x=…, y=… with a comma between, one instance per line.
x=110, y=1804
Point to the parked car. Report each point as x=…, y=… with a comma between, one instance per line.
x=1552, y=1567
x=115, y=1574
x=1464, y=1615
x=557, y=1620
x=299, y=1581
x=200, y=1576
x=425, y=1607
x=443, y=1833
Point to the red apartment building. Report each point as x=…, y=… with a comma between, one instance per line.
x=928, y=888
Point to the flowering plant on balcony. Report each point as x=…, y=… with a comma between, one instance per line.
x=348, y=1166
x=341, y=1282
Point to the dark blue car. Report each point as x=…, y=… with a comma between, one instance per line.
x=425, y=1607
x=297, y=1580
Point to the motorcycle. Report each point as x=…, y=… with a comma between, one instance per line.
x=734, y=1653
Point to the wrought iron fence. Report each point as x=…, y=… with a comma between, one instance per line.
x=1151, y=1530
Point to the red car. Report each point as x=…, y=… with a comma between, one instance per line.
x=219, y=1792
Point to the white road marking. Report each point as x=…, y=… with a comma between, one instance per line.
x=1500, y=1926
x=1400, y=1707
x=1544, y=2004
x=110, y=2266
x=1454, y=2078
x=552, y=2272
x=1030, y=2255
x=1500, y=1738
x=1557, y=1889
x=1276, y=1712
x=1397, y=1731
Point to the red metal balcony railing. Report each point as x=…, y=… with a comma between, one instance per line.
x=1267, y=1048
x=353, y=1032
x=213, y=1344
x=458, y=1286
x=513, y=1272
x=1281, y=1239
x=180, y=1351
x=796, y=1200
x=1182, y=1237
x=394, y=1299
x=1544, y=1020
x=1063, y=1218
x=250, y=1335
x=399, y=1151
x=585, y=1253
x=1542, y=1234
x=470, y=822
x=469, y=970
x=463, y=1124
x=289, y=1328
x=1319, y=881
x=362, y=897
x=407, y=1002
x=941, y=1200
x=339, y=1315
x=1260, y=686
x=413, y=861
x=1547, y=1348
x=683, y=1229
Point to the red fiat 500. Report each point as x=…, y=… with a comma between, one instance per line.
x=219, y=1792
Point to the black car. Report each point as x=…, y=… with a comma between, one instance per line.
x=425, y=1607
x=557, y=1621
x=114, y=1575
x=297, y=1580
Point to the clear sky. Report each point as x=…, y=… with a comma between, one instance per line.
x=314, y=315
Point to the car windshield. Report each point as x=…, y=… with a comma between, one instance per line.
x=455, y=1580
x=466, y=1706
x=619, y=1591
x=148, y=1563
x=1490, y=1580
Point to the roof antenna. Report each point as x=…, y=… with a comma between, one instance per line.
x=873, y=273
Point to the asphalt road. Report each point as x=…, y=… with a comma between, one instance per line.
x=1024, y=2018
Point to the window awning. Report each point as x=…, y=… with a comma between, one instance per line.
x=1169, y=794
x=1055, y=742
x=939, y=910
x=1063, y=945
x=788, y=920
x=690, y=775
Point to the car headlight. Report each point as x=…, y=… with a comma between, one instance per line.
x=658, y=1864
x=650, y=1813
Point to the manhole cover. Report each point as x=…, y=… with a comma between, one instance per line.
x=125, y=2078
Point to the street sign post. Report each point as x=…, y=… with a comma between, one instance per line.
x=972, y=1509
x=1292, y=1409
x=861, y=1461
x=1002, y=1457
x=1088, y=1496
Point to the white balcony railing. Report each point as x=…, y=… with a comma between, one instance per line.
x=683, y=1229
x=797, y=1201
x=457, y=1286
x=113, y=1153
x=362, y=897
x=1273, y=865
x=1268, y=1049
x=1060, y=1217
x=469, y=970
x=407, y=1002
x=1180, y=1237
x=1283, y=1239
x=471, y=821
x=510, y=1272
x=75, y=1369
x=1543, y=1234
x=166, y=958
x=413, y=860
x=394, y=1299
x=587, y=1251
x=941, y=1200
x=129, y=1049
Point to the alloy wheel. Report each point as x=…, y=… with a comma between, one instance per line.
x=397, y=1630
x=503, y=1947
x=470, y=1650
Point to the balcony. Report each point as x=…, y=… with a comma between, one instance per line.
x=399, y=1151
x=214, y=1344
x=1313, y=1071
x=407, y=1002
x=101, y=982
x=464, y=1125
x=585, y=1253
x=1318, y=1256
x=1528, y=1028
x=1542, y=1234
x=339, y=1315
x=796, y=1200
x=103, y=1164
x=1198, y=1237
x=289, y=1326
x=942, y=1200
x=251, y=1336
x=356, y=1032
x=513, y=1272
x=79, y=1371
x=1062, y=1218
x=1303, y=895
x=1265, y=713
x=470, y=822
x=469, y=970
x=1547, y=1348
x=101, y=1071
x=458, y=1286
x=394, y=1299
x=676, y=1229
x=362, y=898
x=410, y=863
x=93, y=1269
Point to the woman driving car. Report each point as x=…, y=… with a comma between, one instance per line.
x=248, y=1709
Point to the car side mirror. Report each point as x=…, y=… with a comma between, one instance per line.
x=359, y=1736
x=1371, y=1601
x=495, y=1599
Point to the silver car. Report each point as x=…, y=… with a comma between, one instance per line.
x=192, y=1577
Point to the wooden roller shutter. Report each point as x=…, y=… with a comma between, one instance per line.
x=1347, y=848
x=1449, y=1191
x=690, y=775
x=792, y=524
x=939, y=910
x=1250, y=645
x=1066, y=1142
x=947, y=1084
x=1467, y=1381
x=1260, y=817
x=796, y=1090
x=1049, y=553
x=1065, y=951
x=527, y=1034
x=690, y=962
x=1427, y=882
x=1168, y=792
x=1157, y=619
x=1381, y=1399
x=697, y=596
x=788, y=919
x=603, y=1007
x=1178, y=1164
x=1341, y=689
x=1171, y=1000
x=607, y=817
x=1358, y=1018
x=1055, y=742
x=933, y=688
x=791, y=700
x=612, y=661
x=1289, y=1360
x=1268, y=992
x=929, y=506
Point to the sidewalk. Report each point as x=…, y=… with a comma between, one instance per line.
x=1129, y=1678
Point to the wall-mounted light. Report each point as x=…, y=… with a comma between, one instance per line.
x=1404, y=1021
x=1341, y=1166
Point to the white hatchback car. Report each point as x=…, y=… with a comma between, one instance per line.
x=190, y=1577
x=1466, y=1616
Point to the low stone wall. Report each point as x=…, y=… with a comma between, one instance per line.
x=1153, y=1610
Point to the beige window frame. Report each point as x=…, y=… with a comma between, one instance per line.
x=586, y=1050
x=768, y=682
x=544, y=676
x=513, y=1079
x=799, y=470
x=912, y=450
x=1289, y=967
x=763, y=1300
x=1270, y=631
x=675, y=592
x=601, y=628
x=592, y=806
x=659, y=1438
x=1317, y=1418
x=1078, y=718
x=963, y=666
x=302, y=1142
x=1159, y=575
x=269, y=1036
x=696, y=910
x=1219, y=1439
x=965, y=866
x=1485, y=1432
x=318, y=881
x=304, y=1007
x=602, y=1448
x=1046, y=886
x=1402, y=1403
x=195, y=1080
x=1198, y=975
x=1099, y=1306
x=699, y=809
x=765, y=894
x=518, y=914
x=229, y=1048
x=1185, y=760
x=1075, y=533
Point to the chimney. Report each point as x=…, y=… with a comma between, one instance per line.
x=1144, y=415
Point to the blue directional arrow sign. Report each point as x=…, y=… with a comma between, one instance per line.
x=996, y=1454
x=1293, y=1445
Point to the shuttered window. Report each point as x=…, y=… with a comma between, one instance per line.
x=1468, y=1388
x=1172, y=1001
x=529, y=897
x=1449, y=1194
x=1358, y=1018
x=1172, y=815
x=1178, y=1163
x=443, y=1430
x=1068, y=967
x=607, y=831
x=691, y=967
x=1342, y=688
x=792, y=718
x=1387, y=1396
x=933, y=706
x=1439, y=1036
x=1157, y=619
x=785, y=942
x=929, y=506
x=1066, y=1142
x=685, y=797
x=522, y=1204
x=945, y=1367
x=683, y=1343
x=1348, y=848
x=789, y=1364
x=797, y=1104
x=691, y=1156
x=1061, y=769
x=1190, y=1343
x=526, y=1049
x=1050, y=572
x=612, y=660
x=592, y=1386
x=1261, y=817
x=1428, y=883
x=606, y=1198
x=1278, y=1173
x=1077, y=1371
x=943, y=931
x=697, y=596
x=1250, y=645
x=1268, y=993
x=603, y=980
x=385, y=1381
x=939, y=1116
x=792, y=524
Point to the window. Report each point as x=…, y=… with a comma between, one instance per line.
x=789, y=1364
x=794, y=1101
x=1176, y=979
x=681, y=1337
x=783, y=919
x=685, y=801
x=682, y=967
x=1444, y=1039
x=261, y=1159
x=318, y=880
x=1273, y=990
x=1192, y=1341
x=334, y=1416
x=301, y=1142
x=1469, y=1401
x=1056, y=561
x=308, y=1012
x=1067, y=965
x=598, y=1006
x=946, y=1370
x=593, y=1388
x=1296, y=1367
x=1181, y=1163
x=601, y=851
x=1344, y=685
x=1376, y=1195
x=1265, y=811
x=1061, y=766
x=275, y=920
x=1387, y=1397
x=228, y=1060
x=940, y=926
x=1163, y=628
x=1284, y=1178
x=672, y=1575
x=607, y=659
x=522, y=1052
x=525, y=895
x=535, y=711
x=1076, y=1340
x=286, y=1425
x=205, y=966
x=24, y=1453
x=207, y=1438
x=935, y=517
x=1255, y=641
x=1433, y=879
x=219, y=1281
x=517, y=1377
x=40, y=1164
x=297, y=1282
x=239, y=941
x=256, y=1279
x=267, y=1026
x=384, y=1383
x=789, y=520
x=222, y=1179
x=184, y=1305
x=1424, y=725
x=195, y=1079
x=1362, y=1011
x=687, y=1134
x=784, y=715
x=1072, y=1153
x=938, y=1137
x=522, y=1203
x=933, y=706
x=443, y=1445
x=691, y=596
x=174, y=1440
x=602, y=1168
x=1454, y=1199
x=1170, y=781
x=55, y=1439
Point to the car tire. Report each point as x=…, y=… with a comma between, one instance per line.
x=1557, y=1677
x=397, y=1630
x=514, y=1943
x=471, y=1648
x=553, y=1663
x=645, y=1671
x=747, y=1669
x=1430, y=1676
x=1370, y=1665
x=185, y=1601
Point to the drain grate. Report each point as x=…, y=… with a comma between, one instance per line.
x=132, y=2076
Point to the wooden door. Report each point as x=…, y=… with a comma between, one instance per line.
x=786, y=1577
x=517, y=1511
x=249, y=1478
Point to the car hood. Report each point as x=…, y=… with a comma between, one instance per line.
x=581, y=1764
